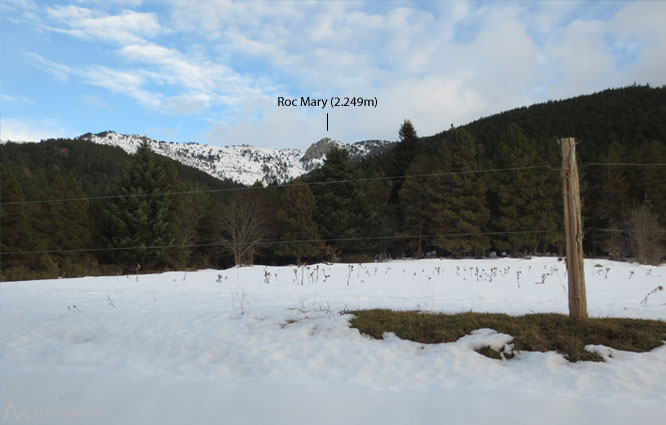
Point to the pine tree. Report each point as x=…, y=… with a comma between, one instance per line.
x=651, y=181
x=519, y=197
x=416, y=199
x=296, y=220
x=396, y=165
x=184, y=213
x=20, y=236
x=342, y=208
x=402, y=156
x=140, y=224
x=459, y=199
x=14, y=223
x=612, y=202
x=377, y=195
x=450, y=199
x=551, y=215
x=66, y=226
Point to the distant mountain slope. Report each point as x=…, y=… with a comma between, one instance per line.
x=630, y=116
x=243, y=163
x=96, y=167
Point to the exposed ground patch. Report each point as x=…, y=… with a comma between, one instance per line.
x=533, y=332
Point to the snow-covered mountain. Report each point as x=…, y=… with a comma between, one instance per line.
x=243, y=163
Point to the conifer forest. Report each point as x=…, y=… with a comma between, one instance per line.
x=488, y=188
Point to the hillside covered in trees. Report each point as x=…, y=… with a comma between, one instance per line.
x=490, y=187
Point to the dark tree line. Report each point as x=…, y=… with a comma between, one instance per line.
x=428, y=196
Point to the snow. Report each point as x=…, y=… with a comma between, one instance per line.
x=243, y=164
x=262, y=344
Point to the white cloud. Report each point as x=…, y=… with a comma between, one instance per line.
x=582, y=61
x=128, y=27
x=192, y=73
x=405, y=57
x=299, y=127
x=642, y=25
x=278, y=127
x=18, y=5
x=59, y=71
x=125, y=3
x=437, y=64
x=447, y=101
x=93, y=100
x=7, y=98
x=128, y=83
x=18, y=130
x=187, y=104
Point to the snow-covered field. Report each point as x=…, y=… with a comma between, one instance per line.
x=267, y=345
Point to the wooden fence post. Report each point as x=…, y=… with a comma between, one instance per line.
x=573, y=224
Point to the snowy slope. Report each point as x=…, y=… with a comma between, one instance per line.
x=260, y=345
x=243, y=163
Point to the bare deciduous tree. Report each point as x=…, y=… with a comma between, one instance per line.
x=617, y=243
x=646, y=235
x=241, y=227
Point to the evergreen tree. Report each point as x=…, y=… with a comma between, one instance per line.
x=402, y=156
x=459, y=199
x=184, y=211
x=399, y=160
x=377, y=195
x=140, y=224
x=552, y=214
x=296, y=220
x=416, y=200
x=268, y=202
x=66, y=226
x=14, y=224
x=342, y=208
x=19, y=236
x=519, y=196
x=612, y=201
x=450, y=200
x=650, y=182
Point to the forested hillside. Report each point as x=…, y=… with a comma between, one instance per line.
x=619, y=126
x=490, y=187
x=44, y=215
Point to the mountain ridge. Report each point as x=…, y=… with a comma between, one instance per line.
x=244, y=164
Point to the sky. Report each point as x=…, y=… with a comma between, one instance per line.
x=211, y=71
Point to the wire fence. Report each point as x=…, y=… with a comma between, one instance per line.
x=279, y=242
x=278, y=186
x=324, y=183
x=330, y=240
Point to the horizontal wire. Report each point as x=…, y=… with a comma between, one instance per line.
x=629, y=230
x=278, y=242
x=242, y=189
x=315, y=184
x=625, y=164
x=294, y=241
x=286, y=185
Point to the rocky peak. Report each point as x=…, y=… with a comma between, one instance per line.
x=320, y=148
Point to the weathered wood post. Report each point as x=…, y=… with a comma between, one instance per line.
x=573, y=224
